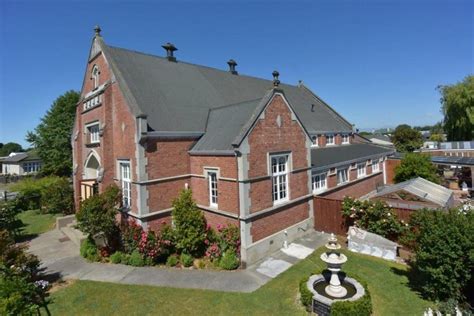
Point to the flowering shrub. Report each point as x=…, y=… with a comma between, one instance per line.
x=376, y=217
x=229, y=238
x=131, y=234
x=213, y=252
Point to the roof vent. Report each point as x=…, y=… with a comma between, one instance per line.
x=276, y=82
x=170, y=49
x=232, y=63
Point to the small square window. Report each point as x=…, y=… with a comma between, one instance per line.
x=330, y=140
x=342, y=176
x=345, y=139
x=315, y=141
x=94, y=133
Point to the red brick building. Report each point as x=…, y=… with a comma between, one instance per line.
x=253, y=151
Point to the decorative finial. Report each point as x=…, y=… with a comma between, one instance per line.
x=170, y=49
x=276, y=82
x=97, y=30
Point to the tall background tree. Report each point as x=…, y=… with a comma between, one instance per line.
x=8, y=148
x=457, y=105
x=406, y=139
x=416, y=165
x=52, y=137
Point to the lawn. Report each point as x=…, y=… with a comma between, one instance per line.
x=386, y=281
x=36, y=223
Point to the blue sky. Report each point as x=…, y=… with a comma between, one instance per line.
x=376, y=62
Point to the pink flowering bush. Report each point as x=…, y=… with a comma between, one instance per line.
x=376, y=217
x=131, y=234
x=213, y=252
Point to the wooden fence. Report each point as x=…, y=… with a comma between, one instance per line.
x=328, y=216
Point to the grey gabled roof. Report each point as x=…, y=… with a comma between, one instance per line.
x=380, y=137
x=422, y=188
x=329, y=157
x=231, y=119
x=16, y=158
x=177, y=96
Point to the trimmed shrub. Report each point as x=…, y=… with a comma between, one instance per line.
x=8, y=217
x=189, y=225
x=136, y=259
x=306, y=297
x=96, y=216
x=361, y=307
x=229, y=260
x=117, y=257
x=89, y=250
x=172, y=261
x=186, y=260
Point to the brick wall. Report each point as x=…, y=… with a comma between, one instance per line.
x=390, y=165
x=267, y=137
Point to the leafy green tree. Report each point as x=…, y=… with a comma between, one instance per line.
x=457, y=105
x=52, y=137
x=406, y=139
x=416, y=165
x=189, y=224
x=444, y=254
x=436, y=137
x=9, y=148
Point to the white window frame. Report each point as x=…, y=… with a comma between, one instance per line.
x=342, y=171
x=279, y=174
x=375, y=163
x=319, y=182
x=361, y=170
x=93, y=132
x=95, y=75
x=213, y=187
x=126, y=182
x=345, y=139
x=315, y=141
x=333, y=137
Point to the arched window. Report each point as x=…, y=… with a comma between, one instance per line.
x=95, y=76
x=92, y=165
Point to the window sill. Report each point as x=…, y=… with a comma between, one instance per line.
x=280, y=202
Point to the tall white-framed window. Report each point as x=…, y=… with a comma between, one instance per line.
x=315, y=141
x=212, y=182
x=345, y=139
x=279, y=170
x=361, y=170
x=95, y=76
x=342, y=176
x=93, y=130
x=375, y=166
x=126, y=183
x=330, y=140
x=319, y=182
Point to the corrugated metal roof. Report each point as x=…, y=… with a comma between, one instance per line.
x=345, y=154
x=422, y=188
x=177, y=96
x=457, y=145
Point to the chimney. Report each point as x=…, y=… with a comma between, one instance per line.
x=232, y=63
x=170, y=49
x=276, y=82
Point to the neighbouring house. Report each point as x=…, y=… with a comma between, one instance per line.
x=415, y=194
x=23, y=163
x=380, y=139
x=255, y=152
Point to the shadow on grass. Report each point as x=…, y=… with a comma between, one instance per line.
x=414, y=281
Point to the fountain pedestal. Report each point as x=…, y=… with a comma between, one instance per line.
x=328, y=289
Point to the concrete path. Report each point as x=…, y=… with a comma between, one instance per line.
x=60, y=257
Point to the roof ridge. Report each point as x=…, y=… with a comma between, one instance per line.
x=203, y=66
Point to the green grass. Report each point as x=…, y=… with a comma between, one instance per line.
x=36, y=223
x=386, y=281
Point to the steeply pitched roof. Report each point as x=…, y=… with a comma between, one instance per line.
x=422, y=188
x=177, y=96
x=329, y=157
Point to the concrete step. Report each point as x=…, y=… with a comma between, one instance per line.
x=75, y=235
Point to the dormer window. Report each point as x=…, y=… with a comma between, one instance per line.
x=330, y=140
x=95, y=76
x=345, y=139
